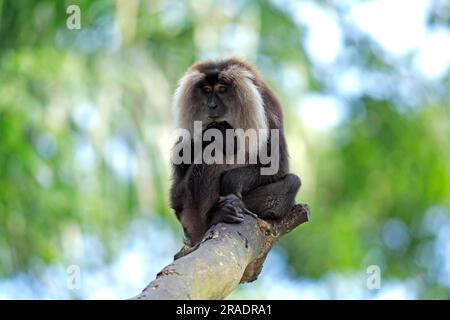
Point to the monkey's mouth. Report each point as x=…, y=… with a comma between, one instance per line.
x=214, y=117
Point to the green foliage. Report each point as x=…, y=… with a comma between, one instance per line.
x=85, y=120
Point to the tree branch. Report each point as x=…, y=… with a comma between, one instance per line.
x=230, y=254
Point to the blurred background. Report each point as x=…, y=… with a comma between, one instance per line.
x=85, y=135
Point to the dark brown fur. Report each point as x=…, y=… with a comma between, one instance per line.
x=196, y=188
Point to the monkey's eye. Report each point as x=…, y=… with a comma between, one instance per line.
x=222, y=88
x=206, y=89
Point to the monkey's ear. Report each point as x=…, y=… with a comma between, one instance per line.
x=274, y=200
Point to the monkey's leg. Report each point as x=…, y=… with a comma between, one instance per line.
x=230, y=208
x=238, y=181
x=273, y=200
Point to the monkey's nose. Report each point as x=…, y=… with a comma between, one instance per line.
x=212, y=106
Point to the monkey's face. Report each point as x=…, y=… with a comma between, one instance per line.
x=224, y=91
x=214, y=99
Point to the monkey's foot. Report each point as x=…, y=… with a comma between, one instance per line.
x=188, y=247
x=229, y=209
x=236, y=200
x=185, y=250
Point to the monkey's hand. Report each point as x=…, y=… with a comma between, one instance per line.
x=229, y=209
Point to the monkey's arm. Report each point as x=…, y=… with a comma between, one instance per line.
x=234, y=185
x=230, y=207
x=243, y=179
x=176, y=197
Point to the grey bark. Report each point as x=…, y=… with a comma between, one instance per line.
x=229, y=254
